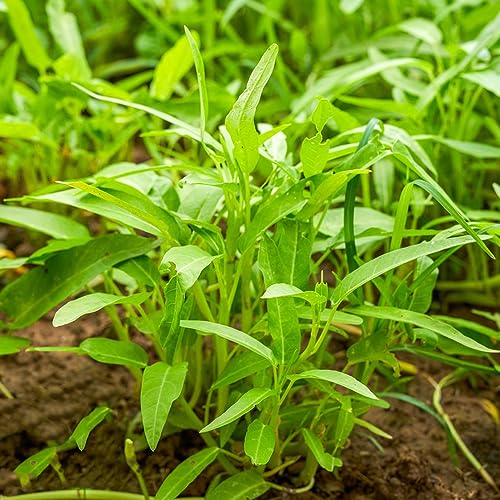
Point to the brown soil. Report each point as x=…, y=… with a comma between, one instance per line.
x=53, y=391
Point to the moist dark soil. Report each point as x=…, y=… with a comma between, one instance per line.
x=53, y=391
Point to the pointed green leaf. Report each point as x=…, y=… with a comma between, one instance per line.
x=240, y=120
x=284, y=290
x=423, y=321
x=161, y=385
x=93, y=302
x=246, y=485
x=245, y=403
x=189, y=261
x=233, y=335
x=10, y=344
x=383, y=263
x=185, y=473
x=173, y=65
x=488, y=79
x=326, y=460
x=284, y=329
x=169, y=330
x=259, y=442
x=115, y=352
x=87, y=425
x=239, y=367
x=33, y=466
x=56, y=226
x=339, y=378
x=28, y=298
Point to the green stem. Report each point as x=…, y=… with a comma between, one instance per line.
x=79, y=494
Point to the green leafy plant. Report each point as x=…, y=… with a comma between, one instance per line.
x=245, y=262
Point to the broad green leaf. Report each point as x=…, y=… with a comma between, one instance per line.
x=475, y=149
x=383, y=263
x=239, y=367
x=272, y=211
x=423, y=29
x=246, y=485
x=169, y=330
x=22, y=25
x=10, y=344
x=284, y=329
x=161, y=385
x=185, y=473
x=488, y=79
x=56, y=226
x=93, y=302
x=233, y=335
x=245, y=403
x=469, y=325
x=326, y=110
x=173, y=65
x=314, y=155
x=421, y=320
x=259, y=442
x=33, y=466
x=335, y=377
x=64, y=29
x=240, y=120
x=142, y=269
x=87, y=425
x=22, y=130
x=189, y=262
x=115, y=352
x=283, y=290
x=185, y=128
x=326, y=460
x=35, y=293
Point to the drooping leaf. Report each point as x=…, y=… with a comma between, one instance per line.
x=33, y=466
x=189, y=262
x=423, y=321
x=246, y=485
x=87, y=425
x=185, y=473
x=240, y=120
x=259, y=442
x=423, y=29
x=28, y=298
x=161, y=385
x=488, y=79
x=115, y=352
x=93, y=302
x=233, y=335
x=173, y=65
x=338, y=378
x=245, y=403
x=56, y=226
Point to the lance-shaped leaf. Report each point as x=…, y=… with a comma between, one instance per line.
x=56, y=226
x=93, y=302
x=259, y=442
x=87, y=425
x=338, y=378
x=34, y=294
x=169, y=330
x=115, y=352
x=240, y=366
x=33, y=466
x=245, y=403
x=240, y=120
x=185, y=473
x=284, y=290
x=383, y=263
x=161, y=385
x=231, y=334
x=245, y=485
x=326, y=460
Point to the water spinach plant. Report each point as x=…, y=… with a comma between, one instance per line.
x=249, y=270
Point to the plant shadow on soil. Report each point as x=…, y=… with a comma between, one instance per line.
x=53, y=391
